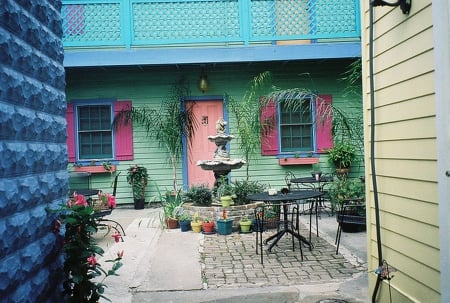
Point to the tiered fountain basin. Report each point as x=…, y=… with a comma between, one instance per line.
x=221, y=165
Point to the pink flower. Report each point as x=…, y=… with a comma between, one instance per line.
x=91, y=260
x=120, y=254
x=117, y=236
x=80, y=200
x=111, y=201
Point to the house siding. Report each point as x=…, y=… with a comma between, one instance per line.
x=33, y=161
x=405, y=152
x=149, y=85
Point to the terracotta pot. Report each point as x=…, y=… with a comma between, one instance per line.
x=208, y=227
x=172, y=223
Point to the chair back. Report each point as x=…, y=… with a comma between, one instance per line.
x=115, y=184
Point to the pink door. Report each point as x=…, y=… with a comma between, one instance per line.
x=207, y=113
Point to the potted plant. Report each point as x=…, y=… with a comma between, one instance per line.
x=169, y=125
x=348, y=192
x=184, y=220
x=272, y=216
x=243, y=188
x=137, y=177
x=225, y=192
x=342, y=156
x=245, y=224
x=196, y=224
x=200, y=195
x=224, y=224
x=172, y=208
x=208, y=226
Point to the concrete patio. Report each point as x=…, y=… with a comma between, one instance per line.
x=163, y=265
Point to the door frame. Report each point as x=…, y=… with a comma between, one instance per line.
x=219, y=98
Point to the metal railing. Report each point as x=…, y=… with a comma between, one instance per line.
x=152, y=23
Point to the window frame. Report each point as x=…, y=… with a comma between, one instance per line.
x=123, y=145
x=299, y=150
x=77, y=105
x=322, y=131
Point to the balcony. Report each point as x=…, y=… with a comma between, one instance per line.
x=242, y=28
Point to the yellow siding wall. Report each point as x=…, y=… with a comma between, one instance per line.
x=405, y=151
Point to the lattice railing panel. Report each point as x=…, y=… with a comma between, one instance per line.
x=91, y=22
x=302, y=18
x=186, y=21
x=165, y=22
x=334, y=16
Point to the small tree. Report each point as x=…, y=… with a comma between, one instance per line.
x=247, y=112
x=169, y=124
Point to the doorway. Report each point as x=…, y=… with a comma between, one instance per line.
x=207, y=112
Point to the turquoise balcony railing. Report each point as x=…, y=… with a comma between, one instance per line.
x=166, y=23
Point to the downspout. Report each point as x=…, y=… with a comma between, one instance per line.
x=405, y=6
x=372, y=154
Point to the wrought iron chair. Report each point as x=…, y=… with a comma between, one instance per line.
x=100, y=215
x=351, y=212
x=259, y=229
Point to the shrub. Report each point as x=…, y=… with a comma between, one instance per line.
x=200, y=195
x=244, y=188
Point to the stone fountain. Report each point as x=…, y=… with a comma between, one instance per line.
x=221, y=165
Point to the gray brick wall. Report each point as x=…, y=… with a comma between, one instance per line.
x=33, y=153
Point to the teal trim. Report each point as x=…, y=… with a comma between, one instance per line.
x=117, y=57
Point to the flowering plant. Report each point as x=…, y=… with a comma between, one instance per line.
x=106, y=199
x=137, y=177
x=76, y=224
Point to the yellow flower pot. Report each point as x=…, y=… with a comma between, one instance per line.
x=196, y=226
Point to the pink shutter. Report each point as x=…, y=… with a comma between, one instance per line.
x=70, y=132
x=269, y=130
x=123, y=134
x=324, y=138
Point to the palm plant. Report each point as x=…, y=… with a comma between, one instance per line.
x=169, y=125
x=247, y=113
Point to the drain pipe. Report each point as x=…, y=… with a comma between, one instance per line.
x=405, y=6
x=372, y=154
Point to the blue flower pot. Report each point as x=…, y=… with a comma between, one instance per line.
x=225, y=227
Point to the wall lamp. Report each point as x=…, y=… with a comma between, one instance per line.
x=203, y=84
x=405, y=5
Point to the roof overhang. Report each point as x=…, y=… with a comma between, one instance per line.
x=192, y=55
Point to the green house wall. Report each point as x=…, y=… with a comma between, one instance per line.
x=148, y=85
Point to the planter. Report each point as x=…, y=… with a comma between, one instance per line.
x=224, y=227
x=172, y=223
x=245, y=226
x=226, y=201
x=208, y=227
x=139, y=203
x=196, y=226
x=351, y=223
x=94, y=169
x=271, y=223
x=297, y=161
x=185, y=225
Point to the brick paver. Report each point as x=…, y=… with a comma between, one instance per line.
x=231, y=261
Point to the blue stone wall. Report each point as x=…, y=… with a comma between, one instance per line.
x=33, y=153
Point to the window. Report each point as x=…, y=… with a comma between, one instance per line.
x=89, y=133
x=95, y=136
x=296, y=127
x=297, y=130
